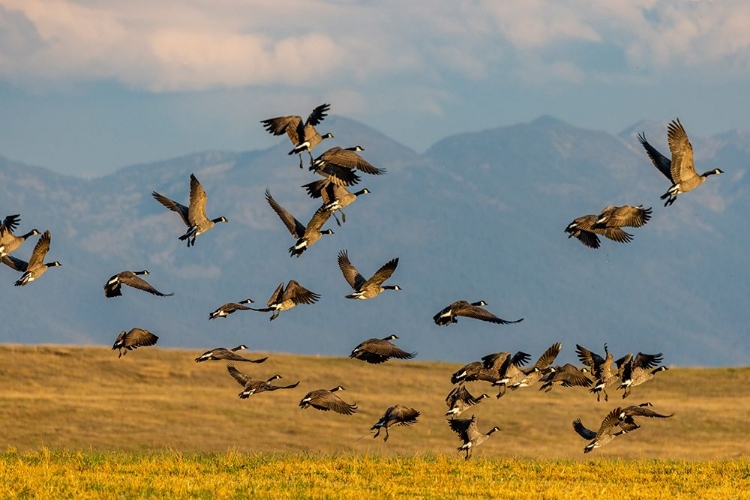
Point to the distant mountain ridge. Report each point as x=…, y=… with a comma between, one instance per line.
x=477, y=216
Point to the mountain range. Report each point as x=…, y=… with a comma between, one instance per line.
x=478, y=216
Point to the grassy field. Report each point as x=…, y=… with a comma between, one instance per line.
x=233, y=475
x=78, y=419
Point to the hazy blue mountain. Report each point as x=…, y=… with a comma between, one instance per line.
x=477, y=216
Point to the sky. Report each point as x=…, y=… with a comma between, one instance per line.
x=90, y=86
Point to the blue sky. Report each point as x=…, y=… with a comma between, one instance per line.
x=89, y=86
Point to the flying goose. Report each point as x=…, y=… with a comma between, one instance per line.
x=372, y=287
x=113, y=286
x=194, y=216
x=302, y=134
x=459, y=399
x=135, y=338
x=9, y=242
x=680, y=170
x=584, y=228
x=617, y=422
x=380, y=350
x=284, y=299
x=600, y=368
x=36, y=266
x=253, y=386
x=306, y=235
x=626, y=215
x=338, y=165
x=507, y=368
x=526, y=377
x=567, y=376
x=474, y=310
x=395, y=415
x=638, y=370
x=221, y=353
x=229, y=308
x=335, y=197
x=491, y=368
x=641, y=410
x=467, y=431
x=324, y=399
x=610, y=428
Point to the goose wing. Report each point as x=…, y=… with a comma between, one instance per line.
x=383, y=273
x=661, y=162
x=197, y=209
x=135, y=281
x=173, y=206
x=682, y=152
x=299, y=294
x=290, y=125
x=582, y=431
x=138, y=337
x=293, y=225
x=15, y=263
x=401, y=415
x=319, y=218
x=9, y=224
x=40, y=250
x=276, y=296
x=240, y=377
x=351, y=275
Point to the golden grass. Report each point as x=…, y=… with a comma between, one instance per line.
x=46, y=474
x=85, y=398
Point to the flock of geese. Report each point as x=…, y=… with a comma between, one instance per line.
x=338, y=169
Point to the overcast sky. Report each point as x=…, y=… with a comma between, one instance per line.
x=88, y=86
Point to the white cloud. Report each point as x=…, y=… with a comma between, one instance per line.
x=173, y=45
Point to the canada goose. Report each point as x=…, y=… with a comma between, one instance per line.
x=395, y=415
x=474, y=310
x=226, y=354
x=194, y=216
x=610, y=428
x=335, y=197
x=617, y=422
x=372, y=287
x=600, y=368
x=284, y=299
x=506, y=367
x=113, y=286
x=338, y=165
x=473, y=371
x=641, y=410
x=531, y=375
x=491, y=368
x=467, y=431
x=33, y=269
x=380, y=350
x=680, y=170
x=323, y=399
x=626, y=215
x=229, y=308
x=253, y=386
x=9, y=224
x=638, y=370
x=135, y=338
x=9, y=242
x=567, y=376
x=302, y=134
x=585, y=230
x=306, y=236
x=459, y=399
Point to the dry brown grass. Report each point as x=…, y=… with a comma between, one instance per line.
x=86, y=398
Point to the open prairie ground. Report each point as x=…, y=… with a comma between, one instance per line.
x=78, y=421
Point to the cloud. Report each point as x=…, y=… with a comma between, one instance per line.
x=174, y=46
